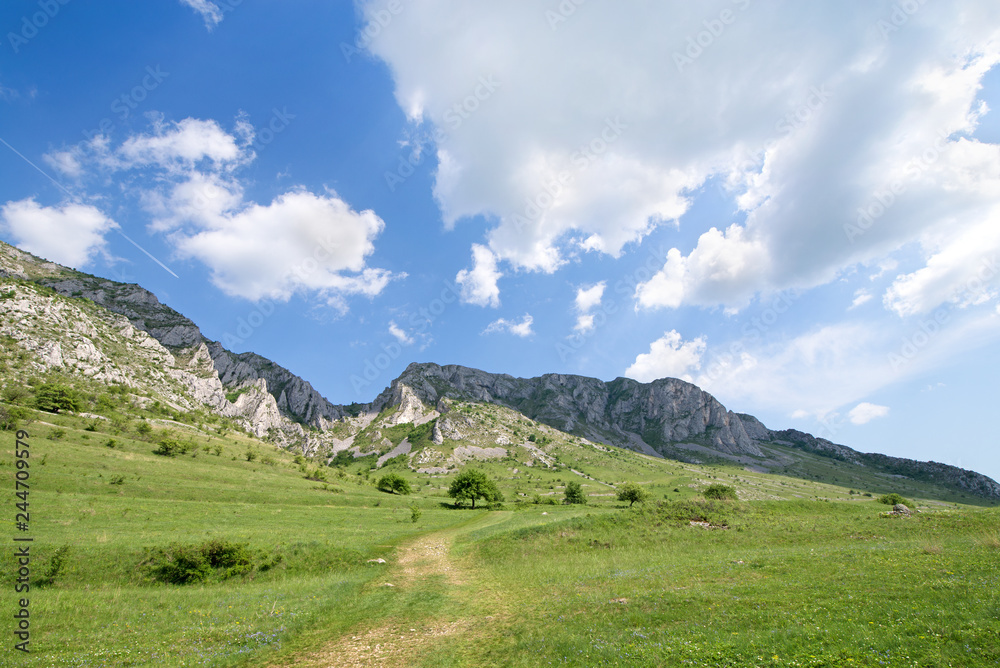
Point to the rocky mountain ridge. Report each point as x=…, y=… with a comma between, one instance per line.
x=666, y=418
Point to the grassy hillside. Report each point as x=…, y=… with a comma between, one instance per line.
x=113, y=509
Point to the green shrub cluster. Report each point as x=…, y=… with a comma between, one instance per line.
x=393, y=483
x=215, y=559
x=893, y=499
x=720, y=492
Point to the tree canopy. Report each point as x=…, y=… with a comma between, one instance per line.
x=574, y=492
x=393, y=483
x=631, y=492
x=53, y=398
x=473, y=484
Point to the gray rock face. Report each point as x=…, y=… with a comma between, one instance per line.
x=619, y=413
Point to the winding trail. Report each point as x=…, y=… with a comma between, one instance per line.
x=425, y=565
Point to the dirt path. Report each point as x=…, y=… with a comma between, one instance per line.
x=422, y=564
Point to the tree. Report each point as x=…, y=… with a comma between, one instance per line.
x=393, y=483
x=631, y=492
x=52, y=398
x=574, y=492
x=473, y=484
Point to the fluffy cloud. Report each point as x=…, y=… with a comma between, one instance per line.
x=479, y=284
x=522, y=329
x=70, y=235
x=865, y=412
x=587, y=299
x=670, y=356
x=841, y=135
x=185, y=175
x=210, y=12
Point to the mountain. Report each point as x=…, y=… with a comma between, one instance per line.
x=102, y=332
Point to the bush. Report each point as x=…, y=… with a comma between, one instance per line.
x=144, y=428
x=574, y=493
x=187, y=564
x=56, y=564
x=720, y=492
x=393, y=483
x=250, y=454
x=414, y=513
x=170, y=448
x=893, y=499
x=10, y=418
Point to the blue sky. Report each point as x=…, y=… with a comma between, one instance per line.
x=795, y=207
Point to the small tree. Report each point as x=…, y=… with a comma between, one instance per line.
x=473, y=484
x=53, y=398
x=631, y=492
x=393, y=483
x=574, y=492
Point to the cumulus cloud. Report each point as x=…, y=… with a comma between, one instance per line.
x=479, y=284
x=670, y=356
x=522, y=328
x=210, y=12
x=186, y=176
x=840, y=140
x=71, y=234
x=865, y=412
x=587, y=299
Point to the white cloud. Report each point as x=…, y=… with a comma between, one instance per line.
x=479, y=284
x=865, y=412
x=808, y=128
x=185, y=175
x=861, y=297
x=587, y=299
x=522, y=329
x=299, y=242
x=70, y=235
x=210, y=12
x=400, y=334
x=668, y=357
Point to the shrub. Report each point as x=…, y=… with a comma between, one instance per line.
x=56, y=564
x=250, y=454
x=117, y=480
x=393, y=483
x=111, y=443
x=414, y=513
x=57, y=434
x=187, y=564
x=893, y=499
x=574, y=493
x=144, y=428
x=169, y=448
x=720, y=492
x=10, y=418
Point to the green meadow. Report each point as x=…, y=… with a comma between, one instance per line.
x=803, y=570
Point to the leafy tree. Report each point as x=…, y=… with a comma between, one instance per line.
x=720, y=492
x=631, y=492
x=393, y=483
x=893, y=499
x=473, y=484
x=574, y=492
x=53, y=398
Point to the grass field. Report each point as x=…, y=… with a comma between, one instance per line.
x=804, y=572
